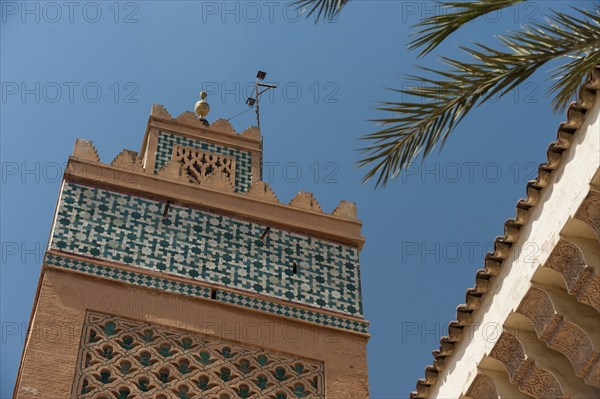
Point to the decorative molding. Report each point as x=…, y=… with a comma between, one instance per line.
x=200, y=245
x=580, y=280
x=128, y=277
x=219, y=180
x=252, y=133
x=266, y=212
x=170, y=146
x=306, y=201
x=204, y=167
x=262, y=191
x=128, y=160
x=297, y=313
x=120, y=358
x=172, y=170
x=222, y=125
x=346, y=210
x=159, y=111
x=84, y=149
x=188, y=118
x=561, y=335
x=167, y=284
x=532, y=380
x=482, y=387
x=589, y=212
x=502, y=245
x=189, y=126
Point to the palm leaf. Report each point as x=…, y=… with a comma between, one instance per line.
x=321, y=9
x=452, y=16
x=418, y=126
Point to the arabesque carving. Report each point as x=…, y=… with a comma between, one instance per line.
x=128, y=359
x=589, y=212
x=561, y=335
x=482, y=387
x=532, y=380
x=581, y=281
x=203, y=167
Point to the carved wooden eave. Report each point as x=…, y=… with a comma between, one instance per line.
x=483, y=387
x=531, y=379
x=493, y=261
x=564, y=330
x=580, y=280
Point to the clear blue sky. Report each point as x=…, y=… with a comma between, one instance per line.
x=93, y=70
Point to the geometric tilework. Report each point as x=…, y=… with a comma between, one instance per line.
x=208, y=247
x=142, y=280
x=243, y=173
x=198, y=291
x=296, y=313
x=126, y=359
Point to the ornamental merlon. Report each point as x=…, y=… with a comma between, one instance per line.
x=186, y=161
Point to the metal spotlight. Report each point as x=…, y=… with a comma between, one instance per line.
x=250, y=101
x=261, y=75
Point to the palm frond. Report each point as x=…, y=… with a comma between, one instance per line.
x=452, y=15
x=436, y=105
x=320, y=9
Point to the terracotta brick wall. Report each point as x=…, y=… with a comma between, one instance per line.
x=51, y=355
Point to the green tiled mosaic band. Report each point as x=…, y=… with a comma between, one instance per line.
x=296, y=313
x=243, y=174
x=207, y=247
x=128, y=277
x=205, y=292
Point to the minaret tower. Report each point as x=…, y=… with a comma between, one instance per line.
x=176, y=273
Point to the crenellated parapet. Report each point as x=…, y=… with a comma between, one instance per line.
x=190, y=207
x=178, y=168
x=176, y=272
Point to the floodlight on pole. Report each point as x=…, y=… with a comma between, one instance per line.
x=259, y=89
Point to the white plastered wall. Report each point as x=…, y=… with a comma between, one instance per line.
x=558, y=203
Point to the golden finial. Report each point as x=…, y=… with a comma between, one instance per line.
x=202, y=108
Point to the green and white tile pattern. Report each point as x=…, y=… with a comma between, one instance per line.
x=128, y=277
x=207, y=247
x=293, y=312
x=205, y=292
